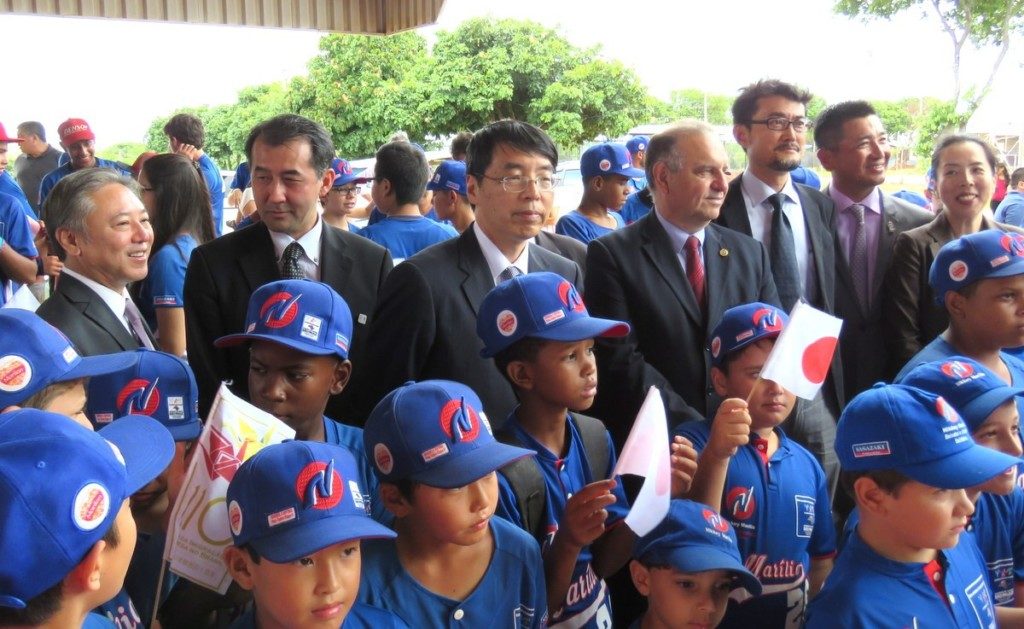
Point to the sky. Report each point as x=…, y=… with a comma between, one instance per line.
x=120, y=75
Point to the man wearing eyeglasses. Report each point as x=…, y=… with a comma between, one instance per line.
x=424, y=322
x=794, y=223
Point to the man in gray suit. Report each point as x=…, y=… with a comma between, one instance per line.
x=854, y=147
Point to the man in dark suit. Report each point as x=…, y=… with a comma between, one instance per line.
x=671, y=274
x=853, y=146
x=424, y=322
x=290, y=158
x=100, y=229
x=795, y=224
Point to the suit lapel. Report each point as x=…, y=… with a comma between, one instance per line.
x=477, y=280
x=816, y=231
x=258, y=264
x=734, y=210
x=886, y=237
x=658, y=248
x=715, y=262
x=94, y=309
x=940, y=233
x=335, y=266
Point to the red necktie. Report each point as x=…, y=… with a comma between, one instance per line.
x=695, y=268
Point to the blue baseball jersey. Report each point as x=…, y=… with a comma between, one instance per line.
x=998, y=527
x=351, y=438
x=121, y=612
x=634, y=209
x=359, y=617
x=578, y=226
x=865, y=589
x=164, y=284
x=15, y=230
x=587, y=603
x=96, y=621
x=9, y=186
x=404, y=236
x=242, y=177
x=62, y=171
x=211, y=175
x=782, y=516
x=638, y=183
x=511, y=593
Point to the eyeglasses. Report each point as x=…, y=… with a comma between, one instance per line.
x=517, y=183
x=781, y=123
x=348, y=192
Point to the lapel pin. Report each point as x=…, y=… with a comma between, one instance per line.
x=361, y=318
x=890, y=226
x=723, y=252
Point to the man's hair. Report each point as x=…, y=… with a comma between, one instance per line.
x=745, y=105
x=460, y=144
x=406, y=168
x=521, y=136
x=890, y=481
x=284, y=128
x=525, y=349
x=31, y=127
x=187, y=129
x=42, y=607
x=663, y=146
x=1016, y=177
x=961, y=138
x=42, y=398
x=71, y=201
x=828, y=128
x=182, y=200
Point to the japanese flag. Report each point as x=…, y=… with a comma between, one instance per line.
x=801, y=357
x=647, y=454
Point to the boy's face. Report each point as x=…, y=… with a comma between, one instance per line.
x=341, y=201
x=678, y=600
x=151, y=503
x=923, y=517
x=116, y=559
x=994, y=312
x=564, y=374
x=611, y=190
x=294, y=386
x=1001, y=431
x=315, y=591
x=71, y=402
x=771, y=404
x=458, y=516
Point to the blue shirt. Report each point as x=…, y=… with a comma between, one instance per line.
x=867, y=590
x=587, y=602
x=62, y=171
x=578, y=226
x=211, y=175
x=9, y=186
x=634, y=209
x=96, y=621
x=121, y=612
x=242, y=177
x=15, y=231
x=782, y=516
x=165, y=282
x=511, y=593
x=998, y=527
x=638, y=183
x=359, y=617
x=351, y=438
x=405, y=236
x=1011, y=209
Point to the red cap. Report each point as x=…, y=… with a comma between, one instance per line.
x=6, y=138
x=74, y=130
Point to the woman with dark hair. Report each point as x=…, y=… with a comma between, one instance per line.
x=179, y=209
x=964, y=168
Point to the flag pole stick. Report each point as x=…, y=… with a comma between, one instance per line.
x=159, y=586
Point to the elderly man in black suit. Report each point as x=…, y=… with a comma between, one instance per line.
x=290, y=160
x=425, y=321
x=98, y=226
x=671, y=274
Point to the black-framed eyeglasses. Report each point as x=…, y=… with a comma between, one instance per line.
x=781, y=123
x=348, y=192
x=517, y=183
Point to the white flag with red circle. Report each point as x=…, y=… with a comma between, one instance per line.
x=803, y=353
x=646, y=453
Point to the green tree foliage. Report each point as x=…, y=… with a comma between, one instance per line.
x=940, y=119
x=124, y=152
x=690, y=103
x=895, y=116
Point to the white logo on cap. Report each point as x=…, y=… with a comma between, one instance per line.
x=235, y=518
x=357, y=495
x=15, y=373
x=69, y=354
x=605, y=165
x=382, y=457
x=507, y=323
x=311, y=327
x=175, y=407
x=91, y=506
x=958, y=270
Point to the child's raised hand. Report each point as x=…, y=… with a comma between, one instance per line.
x=585, y=513
x=684, y=466
x=730, y=429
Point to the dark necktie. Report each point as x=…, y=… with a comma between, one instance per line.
x=135, y=325
x=859, y=258
x=509, y=273
x=290, y=262
x=695, y=269
x=782, y=253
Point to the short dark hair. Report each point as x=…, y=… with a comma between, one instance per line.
x=745, y=105
x=522, y=136
x=525, y=349
x=890, y=481
x=31, y=127
x=828, y=128
x=182, y=200
x=460, y=144
x=187, y=129
x=406, y=168
x=960, y=138
x=406, y=488
x=42, y=607
x=1016, y=177
x=71, y=201
x=284, y=128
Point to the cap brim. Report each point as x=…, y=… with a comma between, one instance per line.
x=101, y=365
x=692, y=558
x=233, y=340
x=145, y=444
x=631, y=172
x=186, y=432
x=471, y=466
x=970, y=467
x=574, y=330
x=305, y=539
x=975, y=412
x=341, y=181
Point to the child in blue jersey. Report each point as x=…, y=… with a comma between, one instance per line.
x=298, y=333
x=770, y=488
x=907, y=458
x=297, y=518
x=399, y=182
x=686, y=567
x=341, y=199
x=606, y=172
x=453, y=563
x=17, y=249
x=541, y=337
x=66, y=531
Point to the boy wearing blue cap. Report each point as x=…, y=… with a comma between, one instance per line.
x=297, y=517
x=450, y=197
x=907, y=458
x=340, y=200
x=637, y=147
x=686, y=567
x=770, y=488
x=606, y=170
x=66, y=531
x=453, y=563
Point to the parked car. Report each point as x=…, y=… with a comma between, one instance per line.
x=568, y=188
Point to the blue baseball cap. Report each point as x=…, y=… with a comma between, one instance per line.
x=34, y=355
x=449, y=175
x=917, y=433
x=982, y=255
x=435, y=433
x=973, y=389
x=157, y=385
x=637, y=143
x=694, y=538
x=608, y=158
x=742, y=325
x=294, y=498
x=805, y=176
x=542, y=305
x=343, y=173
x=61, y=487
x=302, y=314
